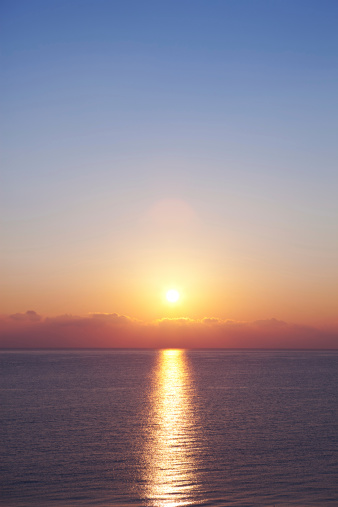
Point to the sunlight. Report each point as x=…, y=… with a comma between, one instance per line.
x=168, y=458
x=171, y=352
x=172, y=295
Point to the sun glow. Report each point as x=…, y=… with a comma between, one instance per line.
x=170, y=454
x=172, y=296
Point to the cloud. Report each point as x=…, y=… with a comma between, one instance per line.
x=113, y=318
x=210, y=320
x=177, y=321
x=30, y=315
x=102, y=330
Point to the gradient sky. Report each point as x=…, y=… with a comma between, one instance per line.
x=183, y=144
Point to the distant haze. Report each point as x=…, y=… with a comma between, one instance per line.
x=29, y=330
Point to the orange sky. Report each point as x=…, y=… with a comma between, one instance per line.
x=216, y=275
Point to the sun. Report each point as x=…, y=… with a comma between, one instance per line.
x=172, y=296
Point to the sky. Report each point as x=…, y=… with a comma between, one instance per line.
x=155, y=145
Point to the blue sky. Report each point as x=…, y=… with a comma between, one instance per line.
x=112, y=106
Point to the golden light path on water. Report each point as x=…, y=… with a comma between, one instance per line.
x=170, y=458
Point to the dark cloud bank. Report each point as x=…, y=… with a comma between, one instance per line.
x=30, y=330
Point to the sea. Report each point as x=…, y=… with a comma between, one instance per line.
x=167, y=428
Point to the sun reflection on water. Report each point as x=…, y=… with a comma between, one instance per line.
x=170, y=479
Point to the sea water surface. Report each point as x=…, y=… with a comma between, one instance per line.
x=169, y=428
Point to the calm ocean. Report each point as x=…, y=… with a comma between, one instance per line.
x=169, y=428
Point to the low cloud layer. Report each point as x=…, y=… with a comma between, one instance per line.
x=30, y=330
